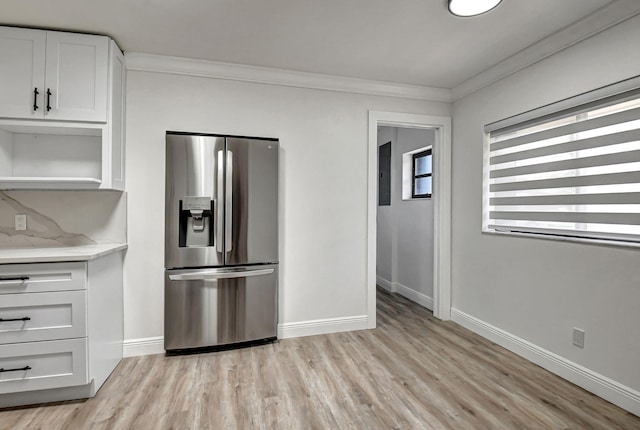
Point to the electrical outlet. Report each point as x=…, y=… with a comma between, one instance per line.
x=578, y=337
x=21, y=222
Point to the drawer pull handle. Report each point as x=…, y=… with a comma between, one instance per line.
x=13, y=280
x=15, y=319
x=15, y=370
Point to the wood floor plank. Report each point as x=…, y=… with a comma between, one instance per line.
x=412, y=372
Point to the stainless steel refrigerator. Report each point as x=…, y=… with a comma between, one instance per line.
x=221, y=240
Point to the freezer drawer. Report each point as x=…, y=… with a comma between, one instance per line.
x=220, y=306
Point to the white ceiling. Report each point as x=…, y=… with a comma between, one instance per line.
x=403, y=41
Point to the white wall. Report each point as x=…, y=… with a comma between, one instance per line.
x=415, y=221
x=540, y=289
x=323, y=185
x=405, y=229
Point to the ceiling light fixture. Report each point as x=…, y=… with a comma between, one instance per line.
x=471, y=7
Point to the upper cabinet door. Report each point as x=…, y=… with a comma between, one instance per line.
x=76, y=77
x=116, y=151
x=22, y=54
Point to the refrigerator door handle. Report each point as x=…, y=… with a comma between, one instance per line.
x=220, y=208
x=228, y=240
x=203, y=275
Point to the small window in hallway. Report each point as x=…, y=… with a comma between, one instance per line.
x=421, y=174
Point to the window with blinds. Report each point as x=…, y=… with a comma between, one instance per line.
x=573, y=172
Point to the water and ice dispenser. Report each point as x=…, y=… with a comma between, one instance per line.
x=196, y=221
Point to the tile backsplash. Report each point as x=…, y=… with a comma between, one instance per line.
x=62, y=218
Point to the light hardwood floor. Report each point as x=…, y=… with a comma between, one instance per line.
x=412, y=372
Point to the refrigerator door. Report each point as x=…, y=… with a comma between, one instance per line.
x=194, y=208
x=251, y=218
x=220, y=306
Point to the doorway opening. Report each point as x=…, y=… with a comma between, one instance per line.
x=439, y=196
x=404, y=225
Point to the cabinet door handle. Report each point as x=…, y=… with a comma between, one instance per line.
x=15, y=370
x=15, y=319
x=48, y=99
x=35, y=99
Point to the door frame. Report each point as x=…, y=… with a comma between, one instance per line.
x=441, y=203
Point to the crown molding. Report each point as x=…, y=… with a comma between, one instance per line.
x=604, y=18
x=265, y=75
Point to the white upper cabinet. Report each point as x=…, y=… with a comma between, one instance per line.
x=22, y=62
x=76, y=77
x=53, y=75
x=116, y=150
x=61, y=111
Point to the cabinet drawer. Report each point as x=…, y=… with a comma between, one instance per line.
x=42, y=316
x=40, y=277
x=43, y=365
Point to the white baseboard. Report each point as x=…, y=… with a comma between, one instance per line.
x=387, y=285
x=324, y=326
x=404, y=291
x=616, y=393
x=155, y=345
x=144, y=346
x=414, y=296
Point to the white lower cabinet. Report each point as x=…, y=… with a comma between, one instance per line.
x=42, y=277
x=43, y=316
x=42, y=365
x=60, y=329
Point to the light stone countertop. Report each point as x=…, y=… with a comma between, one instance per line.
x=39, y=254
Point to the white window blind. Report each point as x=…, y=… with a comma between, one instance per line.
x=573, y=172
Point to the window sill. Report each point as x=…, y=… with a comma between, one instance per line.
x=416, y=199
x=584, y=240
